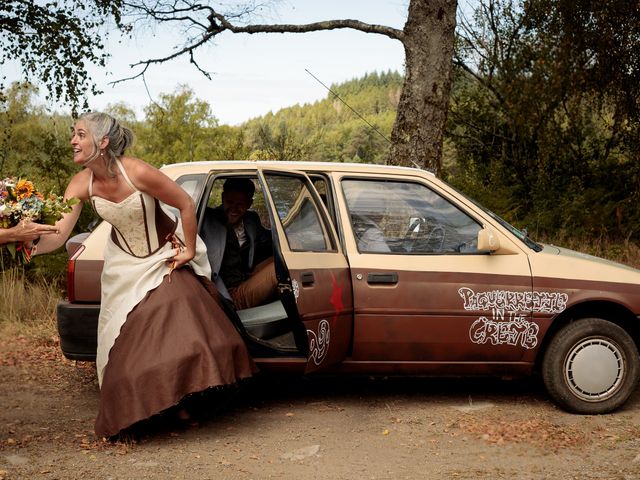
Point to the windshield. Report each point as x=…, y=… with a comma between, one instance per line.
x=522, y=236
x=519, y=234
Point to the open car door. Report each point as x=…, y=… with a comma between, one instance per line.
x=316, y=285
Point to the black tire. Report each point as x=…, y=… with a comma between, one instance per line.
x=591, y=367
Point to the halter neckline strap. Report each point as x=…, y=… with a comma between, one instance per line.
x=124, y=175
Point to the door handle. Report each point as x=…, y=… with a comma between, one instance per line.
x=307, y=278
x=384, y=278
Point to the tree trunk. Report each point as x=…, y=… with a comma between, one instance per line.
x=422, y=111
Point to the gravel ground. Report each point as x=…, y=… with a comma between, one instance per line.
x=308, y=428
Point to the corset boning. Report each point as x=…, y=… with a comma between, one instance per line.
x=140, y=226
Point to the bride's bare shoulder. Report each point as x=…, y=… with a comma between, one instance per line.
x=79, y=185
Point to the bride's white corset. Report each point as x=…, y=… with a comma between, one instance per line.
x=133, y=220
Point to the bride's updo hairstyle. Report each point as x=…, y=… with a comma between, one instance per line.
x=102, y=125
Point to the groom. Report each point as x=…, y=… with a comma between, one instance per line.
x=239, y=248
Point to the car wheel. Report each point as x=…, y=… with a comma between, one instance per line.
x=591, y=366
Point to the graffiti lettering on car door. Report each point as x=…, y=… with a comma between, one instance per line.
x=509, y=310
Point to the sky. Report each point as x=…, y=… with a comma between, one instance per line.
x=255, y=74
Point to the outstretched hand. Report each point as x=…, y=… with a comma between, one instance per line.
x=27, y=231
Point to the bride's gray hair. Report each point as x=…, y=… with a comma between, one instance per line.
x=102, y=125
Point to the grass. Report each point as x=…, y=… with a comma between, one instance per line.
x=28, y=306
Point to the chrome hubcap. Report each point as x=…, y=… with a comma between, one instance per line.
x=594, y=369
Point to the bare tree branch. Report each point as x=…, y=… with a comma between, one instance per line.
x=189, y=49
x=219, y=23
x=224, y=24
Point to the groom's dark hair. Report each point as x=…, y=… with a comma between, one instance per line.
x=239, y=184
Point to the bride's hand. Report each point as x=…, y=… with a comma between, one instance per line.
x=182, y=256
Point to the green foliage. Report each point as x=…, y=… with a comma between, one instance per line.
x=280, y=143
x=228, y=143
x=330, y=130
x=34, y=142
x=55, y=41
x=177, y=129
x=531, y=135
x=597, y=45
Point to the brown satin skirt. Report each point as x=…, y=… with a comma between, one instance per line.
x=176, y=341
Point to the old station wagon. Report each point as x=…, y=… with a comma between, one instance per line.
x=388, y=270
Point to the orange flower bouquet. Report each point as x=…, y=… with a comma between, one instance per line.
x=21, y=201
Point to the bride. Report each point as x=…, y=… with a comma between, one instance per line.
x=162, y=331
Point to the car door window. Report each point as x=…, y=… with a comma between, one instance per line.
x=192, y=184
x=258, y=205
x=298, y=213
x=407, y=217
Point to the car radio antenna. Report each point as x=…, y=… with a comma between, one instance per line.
x=349, y=106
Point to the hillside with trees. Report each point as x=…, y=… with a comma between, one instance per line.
x=330, y=130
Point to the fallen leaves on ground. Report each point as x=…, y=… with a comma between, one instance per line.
x=39, y=361
x=536, y=431
x=18, y=351
x=43, y=359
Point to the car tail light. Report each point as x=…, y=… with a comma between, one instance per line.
x=71, y=290
x=71, y=272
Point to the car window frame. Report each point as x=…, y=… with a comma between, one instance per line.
x=327, y=223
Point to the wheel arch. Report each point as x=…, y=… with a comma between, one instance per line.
x=606, y=310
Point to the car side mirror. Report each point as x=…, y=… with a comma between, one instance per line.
x=488, y=240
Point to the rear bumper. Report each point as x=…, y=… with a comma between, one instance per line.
x=78, y=330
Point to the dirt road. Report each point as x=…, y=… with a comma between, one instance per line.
x=322, y=428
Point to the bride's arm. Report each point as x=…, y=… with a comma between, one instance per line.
x=152, y=181
x=77, y=188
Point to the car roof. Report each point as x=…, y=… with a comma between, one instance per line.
x=205, y=166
